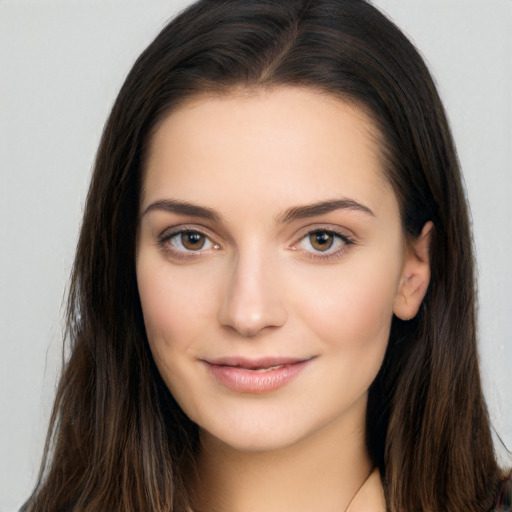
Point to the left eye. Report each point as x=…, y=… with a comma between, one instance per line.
x=187, y=241
x=323, y=241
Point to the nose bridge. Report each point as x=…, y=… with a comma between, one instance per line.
x=253, y=297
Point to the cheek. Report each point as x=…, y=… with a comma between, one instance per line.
x=352, y=309
x=351, y=320
x=173, y=307
x=174, y=311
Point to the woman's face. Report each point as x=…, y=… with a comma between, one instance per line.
x=270, y=258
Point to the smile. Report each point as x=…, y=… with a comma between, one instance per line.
x=258, y=376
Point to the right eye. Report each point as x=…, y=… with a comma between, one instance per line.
x=188, y=241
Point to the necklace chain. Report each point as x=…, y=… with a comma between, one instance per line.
x=358, y=489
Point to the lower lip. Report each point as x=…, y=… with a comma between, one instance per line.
x=243, y=380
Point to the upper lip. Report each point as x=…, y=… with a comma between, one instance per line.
x=257, y=363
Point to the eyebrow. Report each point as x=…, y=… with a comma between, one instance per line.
x=183, y=208
x=291, y=214
x=321, y=208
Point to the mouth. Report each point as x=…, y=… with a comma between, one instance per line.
x=255, y=376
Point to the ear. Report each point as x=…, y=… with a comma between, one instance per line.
x=415, y=276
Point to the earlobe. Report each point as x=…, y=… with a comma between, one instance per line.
x=415, y=276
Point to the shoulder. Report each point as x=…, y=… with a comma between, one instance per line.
x=504, y=501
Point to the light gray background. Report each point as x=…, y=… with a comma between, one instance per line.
x=61, y=65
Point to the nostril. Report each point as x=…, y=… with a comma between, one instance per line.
x=252, y=325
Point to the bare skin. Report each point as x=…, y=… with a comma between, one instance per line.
x=308, y=476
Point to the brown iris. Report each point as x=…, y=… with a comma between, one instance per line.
x=192, y=240
x=321, y=240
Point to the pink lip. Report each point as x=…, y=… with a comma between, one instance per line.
x=255, y=376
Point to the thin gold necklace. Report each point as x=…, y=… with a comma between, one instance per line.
x=358, y=489
x=348, y=504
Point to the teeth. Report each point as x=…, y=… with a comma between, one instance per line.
x=262, y=370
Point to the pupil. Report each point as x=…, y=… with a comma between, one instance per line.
x=322, y=240
x=193, y=240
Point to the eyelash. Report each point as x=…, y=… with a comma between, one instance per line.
x=164, y=241
x=342, y=238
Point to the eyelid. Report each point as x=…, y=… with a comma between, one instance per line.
x=331, y=228
x=170, y=232
x=181, y=228
x=344, y=234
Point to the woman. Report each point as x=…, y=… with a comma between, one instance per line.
x=272, y=305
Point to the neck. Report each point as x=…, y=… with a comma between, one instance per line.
x=321, y=472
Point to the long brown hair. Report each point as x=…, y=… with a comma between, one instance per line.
x=118, y=441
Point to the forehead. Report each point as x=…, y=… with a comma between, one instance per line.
x=280, y=143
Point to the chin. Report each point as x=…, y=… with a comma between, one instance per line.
x=255, y=440
x=277, y=428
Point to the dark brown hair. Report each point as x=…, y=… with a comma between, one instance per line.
x=118, y=441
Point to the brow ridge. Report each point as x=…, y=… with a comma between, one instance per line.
x=294, y=213
x=321, y=208
x=183, y=208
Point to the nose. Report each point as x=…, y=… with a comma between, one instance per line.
x=253, y=300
